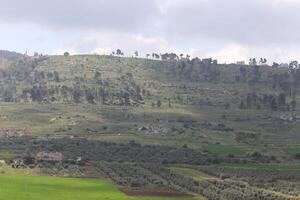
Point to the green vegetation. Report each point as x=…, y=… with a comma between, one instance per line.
x=224, y=149
x=189, y=172
x=281, y=179
x=216, y=188
x=292, y=149
x=288, y=167
x=24, y=187
x=167, y=102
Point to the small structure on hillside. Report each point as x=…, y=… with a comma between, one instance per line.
x=52, y=120
x=289, y=117
x=154, y=130
x=49, y=157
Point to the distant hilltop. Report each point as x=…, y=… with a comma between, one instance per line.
x=10, y=55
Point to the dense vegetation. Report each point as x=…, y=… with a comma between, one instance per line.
x=112, y=152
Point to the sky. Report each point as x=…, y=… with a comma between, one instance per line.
x=227, y=30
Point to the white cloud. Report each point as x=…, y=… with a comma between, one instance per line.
x=106, y=42
x=230, y=54
x=236, y=52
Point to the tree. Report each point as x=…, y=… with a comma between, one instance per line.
x=169, y=56
x=297, y=156
x=119, y=52
x=275, y=65
x=282, y=101
x=262, y=61
x=8, y=95
x=188, y=56
x=252, y=61
x=56, y=76
x=294, y=104
x=136, y=53
x=28, y=159
x=103, y=95
x=97, y=76
x=76, y=95
x=294, y=65
x=164, y=56
x=90, y=97
x=265, y=61
x=273, y=104
x=66, y=54
x=155, y=56
x=126, y=99
x=242, y=104
x=256, y=73
x=249, y=101
x=159, y=103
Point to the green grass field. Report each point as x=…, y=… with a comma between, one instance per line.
x=29, y=187
x=189, y=172
x=225, y=149
x=254, y=166
x=292, y=149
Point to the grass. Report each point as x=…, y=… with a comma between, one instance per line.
x=291, y=167
x=123, y=124
x=197, y=175
x=225, y=149
x=25, y=187
x=292, y=149
x=8, y=170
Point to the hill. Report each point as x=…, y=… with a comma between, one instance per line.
x=195, y=101
x=110, y=110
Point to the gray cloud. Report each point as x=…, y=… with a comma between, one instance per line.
x=251, y=22
x=120, y=15
x=257, y=22
x=186, y=25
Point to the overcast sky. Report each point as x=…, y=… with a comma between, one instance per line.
x=228, y=30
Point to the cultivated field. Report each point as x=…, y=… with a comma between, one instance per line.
x=25, y=187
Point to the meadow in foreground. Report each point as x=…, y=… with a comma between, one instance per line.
x=25, y=187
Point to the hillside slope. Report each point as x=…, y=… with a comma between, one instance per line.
x=231, y=110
